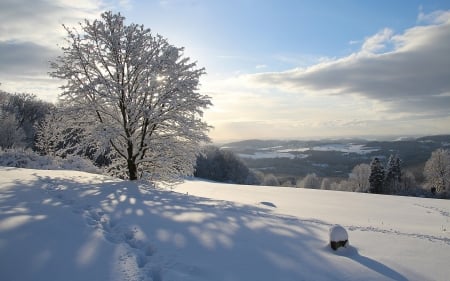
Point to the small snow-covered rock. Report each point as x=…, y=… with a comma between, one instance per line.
x=338, y=233
x=338, y=237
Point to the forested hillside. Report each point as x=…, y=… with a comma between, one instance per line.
x=348, y=164
x=333, y=158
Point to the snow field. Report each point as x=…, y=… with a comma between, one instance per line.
x=66, y=225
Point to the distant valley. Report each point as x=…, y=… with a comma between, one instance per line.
x=332, y=158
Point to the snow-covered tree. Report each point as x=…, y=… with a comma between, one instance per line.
x=310, y=181
x=25, y=111
x=393, y=174
x=359, y=178
x=376, y=178
x=408, y=183
x=325, y=184
x=28, y=111
x=270, y=180
x=437, y=170
x=51, y=135
x=11, y=134
x=134, y=94
x=336, y=185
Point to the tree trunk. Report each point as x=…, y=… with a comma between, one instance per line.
x=132, y=170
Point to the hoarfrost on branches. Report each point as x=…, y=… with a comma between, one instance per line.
x=134, y=95
x=11, y=134
x=437, y=171
x=359, y=178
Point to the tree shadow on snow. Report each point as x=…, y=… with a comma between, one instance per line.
x=353, y=254
x=44, y=232
x=161, y=235
x=268, y=204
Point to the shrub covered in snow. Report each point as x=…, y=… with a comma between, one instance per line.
x=26, y=158
x=338, y=237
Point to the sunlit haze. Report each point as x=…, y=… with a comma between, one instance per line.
x=275, y=69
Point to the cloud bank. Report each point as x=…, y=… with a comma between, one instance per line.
x=29, y=36
x=407, y=72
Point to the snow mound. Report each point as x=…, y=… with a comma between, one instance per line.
x=338, y=233
x=338, y=237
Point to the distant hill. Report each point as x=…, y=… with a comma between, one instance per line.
x=436, y=138
x=333, y=158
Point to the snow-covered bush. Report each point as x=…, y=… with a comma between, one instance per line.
x=26, y=158
x=338, y=237
x=78, y=163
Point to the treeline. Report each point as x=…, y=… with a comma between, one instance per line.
x=25, y=125
x=223, y=165
x=19, y=115
x=376, y=177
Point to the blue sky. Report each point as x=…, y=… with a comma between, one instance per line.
x=275, y=69
x=277, y=34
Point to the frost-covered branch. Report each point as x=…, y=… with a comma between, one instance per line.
x=140, y=93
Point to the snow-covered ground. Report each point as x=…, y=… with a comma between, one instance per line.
x=347, y=148
x=66, y=225
x=281, y=152
x=269, y=154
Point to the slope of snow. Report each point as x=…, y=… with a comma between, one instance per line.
x=66, y=225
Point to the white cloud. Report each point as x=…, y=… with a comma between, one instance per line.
x=243, y=111
x=377, y=42
x=29, y=36
x=40, y=21
x=413, y=77
x=436, y=17
x=395, y=84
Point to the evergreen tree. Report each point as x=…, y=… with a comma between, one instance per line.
x=376, y=178
x=393, y=174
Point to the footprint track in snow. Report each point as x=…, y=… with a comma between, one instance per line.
x=140, y=251
x=442, y=212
